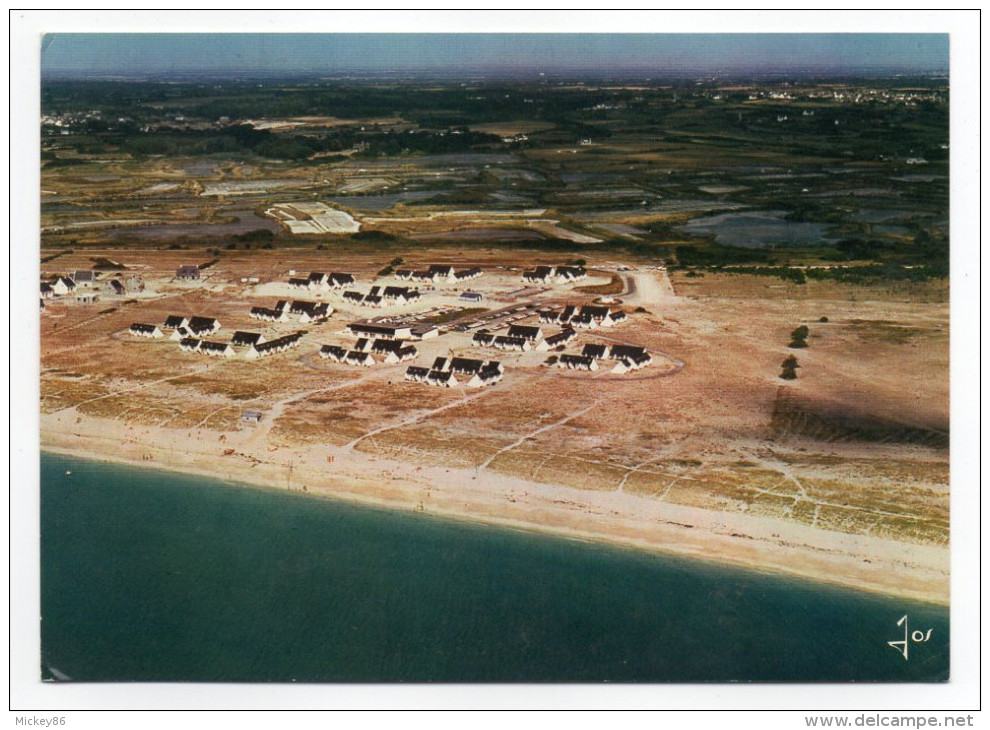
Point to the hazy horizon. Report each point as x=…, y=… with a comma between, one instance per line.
x=132, y=55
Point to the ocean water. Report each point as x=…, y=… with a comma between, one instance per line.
x=151, y=576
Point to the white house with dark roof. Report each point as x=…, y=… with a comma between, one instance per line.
x=467, y=274
x=400, y=294
x=625, y=352
x=46, y=291
x=568, y=274
x=540, y=275
x=84, y=278
x=340, y=280
x=139, y=329
x=216, y=349
x=273, y=347
x=417, y=374
x=424, y=332
x=189, y=344
x=466, y=365
x=318, y=312
x=442, y=379
x=317, y=281
x=577, y=362
x=445, y=271
x=269, y=315
x=517, y=344
x=401, y=355
x=246, y=339
x=203, y=325
x=533, y=334
x=380, y=347
x=561, y=338
x=360, y=358
x=114, y=288
x=598, y=352
x=333, y=352
x=63, y=285
x=175, y=321
x=485, y=376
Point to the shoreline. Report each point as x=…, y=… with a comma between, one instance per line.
x=762, y=544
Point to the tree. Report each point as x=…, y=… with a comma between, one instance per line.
x=789, y=368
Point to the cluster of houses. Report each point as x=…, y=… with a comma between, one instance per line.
x=87, y=287
x=554, y=274
x=519, y=338
x=306, y=311
x=321, y=282
x=152, y=331
x=444, y=371
x=182, y=326
x=253, y=345
x=278, y=313
x=365, y=349
x=439, y=273
x=379, y=297
x=626, y=358
x=260, y=348
x=310, y=311
x=588, y=317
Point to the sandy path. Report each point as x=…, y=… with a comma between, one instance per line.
x=416, y=418
x=532, y=434
x=136, y=387
x=648, y=289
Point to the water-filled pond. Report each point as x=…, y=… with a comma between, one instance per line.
x=757, y=229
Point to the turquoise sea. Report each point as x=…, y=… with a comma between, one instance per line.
x=153, y=576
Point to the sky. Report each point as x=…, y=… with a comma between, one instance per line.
x=136, y=54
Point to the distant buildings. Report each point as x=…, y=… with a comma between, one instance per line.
x=587, y=317
x=319, y=281
x=552, y=274
x=439, y=272
x=187, y=273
